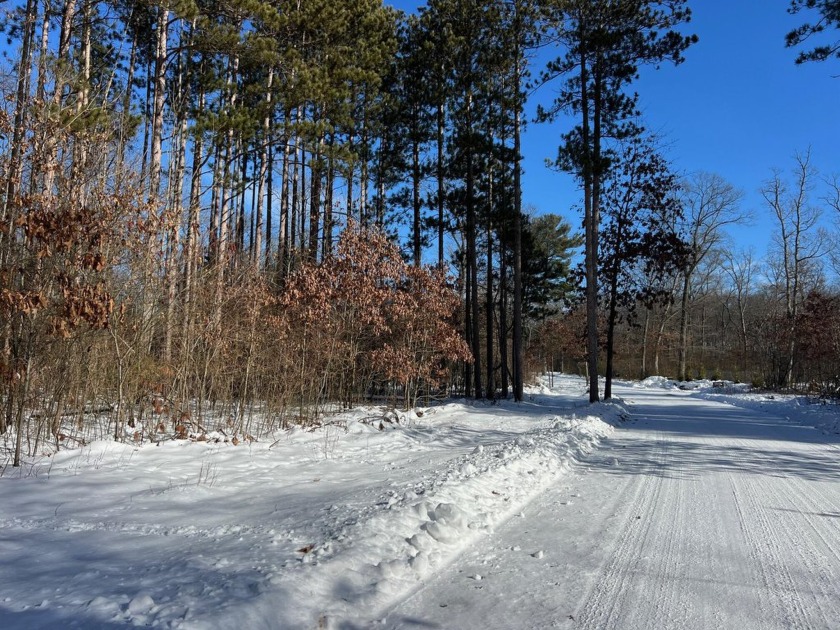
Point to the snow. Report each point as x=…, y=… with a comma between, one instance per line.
x=462, y=515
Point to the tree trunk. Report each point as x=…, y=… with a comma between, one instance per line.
x=683, y=343
x=157, y=108
x=415, y=194
x=611, y=319
x=440, y=182
x=224, y=208
x=51, y=143
x=192, y=245
x=15, y=168
x=178, y=219
x=38, y=162
x=79, y=168
x=472, y=255
x=465, y=273
x=491, y=385
x=363, y=178
x=152, y=253
x=643, y=373
x=126, y=108
x=240, y=209
x=503, y=326
x=284, y=223
x=215, y=202
x=261, y=179
x=316, y=175
x=591, y=229
x=302, y=213
x=293, y=214
x=518, y=351
x=269, y=194
x=326, y=249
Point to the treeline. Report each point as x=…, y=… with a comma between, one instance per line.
x=770, y=319
x=195, y=196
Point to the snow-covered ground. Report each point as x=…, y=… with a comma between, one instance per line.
x=693, y=513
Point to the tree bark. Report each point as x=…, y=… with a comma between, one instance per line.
x=415, y=194
x=263, y=175
x=682, y=351
x=440, y=182
x=491, y=385
x=591, y=236
x=472, y=255
x=518, y=351
x=62, y=58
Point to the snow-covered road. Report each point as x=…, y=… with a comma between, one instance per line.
x=695, y=514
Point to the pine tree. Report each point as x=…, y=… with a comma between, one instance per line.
x=522, y=17
x=469, y=39
x=412, y=122
x=829, y=17
x=605, y=43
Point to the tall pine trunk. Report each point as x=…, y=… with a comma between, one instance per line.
x=284, y=223
x=316, y=175
x=491, y=385
x=591, y=242
x=441, y=192
x=472, y=254
x=517, y=349
x=415, y=192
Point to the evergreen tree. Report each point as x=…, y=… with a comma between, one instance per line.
x=522, y=21
x=829, y=17
x=412, y=124
x=605, y=43
x=547, y=274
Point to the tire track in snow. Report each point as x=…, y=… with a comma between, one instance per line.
x=823, y=517
x=706, y=555
x=669, y=577
x=816, y=551
x=801, y=516
x=767, y=553
x=609, y=594
x=668, y=545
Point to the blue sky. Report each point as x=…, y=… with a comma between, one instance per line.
x=738, y=106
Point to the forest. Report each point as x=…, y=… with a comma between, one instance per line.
x=244, y=214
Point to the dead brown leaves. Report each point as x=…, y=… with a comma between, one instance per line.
x=375, y=314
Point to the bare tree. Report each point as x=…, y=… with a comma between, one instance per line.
x=741, y=269
x=710, y=205
x=798, y=245
x=832, y=200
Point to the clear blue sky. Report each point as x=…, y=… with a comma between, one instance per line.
x=738, y=106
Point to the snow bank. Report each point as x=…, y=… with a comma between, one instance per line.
x=823, y=415
x=656, y=382
x=313, y=527
x=372, y=563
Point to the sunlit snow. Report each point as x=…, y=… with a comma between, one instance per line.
x=341, y=526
